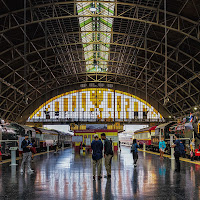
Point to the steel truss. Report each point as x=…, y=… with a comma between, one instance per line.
x=55, y=53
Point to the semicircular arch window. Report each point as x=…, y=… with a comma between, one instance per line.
x=94, y=104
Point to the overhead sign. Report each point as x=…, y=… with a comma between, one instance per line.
x=77, y=138
x=96, y=126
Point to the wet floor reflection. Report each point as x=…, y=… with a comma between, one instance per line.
x=69, y=176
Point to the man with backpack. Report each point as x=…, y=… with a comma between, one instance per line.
x=177, y=153
x=97, y=147
x=134, y=151
x=108, y=154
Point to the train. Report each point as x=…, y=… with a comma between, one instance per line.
x=12, y=133
x=144, y=136
x=187, y=130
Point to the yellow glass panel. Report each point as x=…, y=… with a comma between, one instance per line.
x=56, y=106
x=136, y=106
x=65, y=104
x=73, y=103
x=118, y=103
x=126, y=107
x=84, y=101
x=109, y=100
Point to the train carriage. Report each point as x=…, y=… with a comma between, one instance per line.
x=144, y=136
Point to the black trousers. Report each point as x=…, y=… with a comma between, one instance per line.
x=177, y=156
x=135, y=157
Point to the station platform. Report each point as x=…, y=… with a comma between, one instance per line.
x=69, y=176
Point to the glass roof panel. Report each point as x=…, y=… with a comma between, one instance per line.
x=95, y=36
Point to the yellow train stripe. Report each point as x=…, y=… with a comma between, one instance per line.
x=168, y=156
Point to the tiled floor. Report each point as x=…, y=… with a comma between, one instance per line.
x=69, y=176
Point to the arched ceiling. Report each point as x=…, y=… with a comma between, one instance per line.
x=47, y=52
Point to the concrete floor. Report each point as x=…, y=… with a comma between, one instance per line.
x=69, y=176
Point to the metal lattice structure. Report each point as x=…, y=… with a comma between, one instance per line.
x=43, y=50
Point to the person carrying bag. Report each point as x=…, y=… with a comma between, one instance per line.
x=134, y=151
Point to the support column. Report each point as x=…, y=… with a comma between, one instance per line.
x=13, y=156
x=172, y=149
x=144, y=146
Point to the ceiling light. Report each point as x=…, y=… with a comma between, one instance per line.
x=195, y=108
x=170, y=117
x=93, y=9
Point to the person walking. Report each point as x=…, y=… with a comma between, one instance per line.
x=97, y=147
x=177, y=153
x=26, y=146
x=108, y=154
x=162, y=147
x=134, y=150
x=120, y=146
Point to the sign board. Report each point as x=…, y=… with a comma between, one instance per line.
x=77, y=138
x=87, y=142
x=96, y=126
x=13, y=148
x=20, y=143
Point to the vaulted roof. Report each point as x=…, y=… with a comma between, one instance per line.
x=122, y=43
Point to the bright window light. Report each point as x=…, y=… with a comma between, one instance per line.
x=93, y=9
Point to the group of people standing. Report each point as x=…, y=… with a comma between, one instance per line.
x=97, y=155
x=179, y=150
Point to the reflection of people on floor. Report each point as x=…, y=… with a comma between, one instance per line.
x=108, y=191
x=162, y=170
x=134, y=182
x=97, y=194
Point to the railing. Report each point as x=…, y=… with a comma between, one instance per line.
x=74, y=120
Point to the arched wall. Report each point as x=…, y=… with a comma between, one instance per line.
x=45, y=97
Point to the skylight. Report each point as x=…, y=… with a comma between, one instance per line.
x=96, y=33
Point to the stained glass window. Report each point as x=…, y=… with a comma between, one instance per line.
x=94, y=104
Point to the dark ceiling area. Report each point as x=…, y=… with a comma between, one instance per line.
x=41, y=50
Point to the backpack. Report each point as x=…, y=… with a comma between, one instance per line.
x=109, y=147
x=178, y=148
x=133, y=147
x=182, y=149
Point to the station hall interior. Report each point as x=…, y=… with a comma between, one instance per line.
x=99, y=99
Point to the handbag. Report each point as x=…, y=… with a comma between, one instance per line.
x=33, y=150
